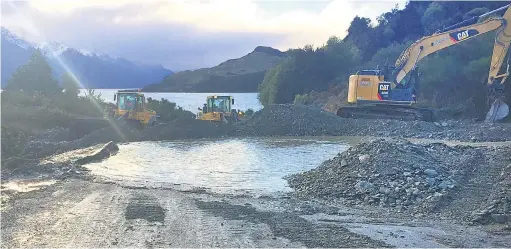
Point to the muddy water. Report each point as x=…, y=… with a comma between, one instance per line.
x=251, y=165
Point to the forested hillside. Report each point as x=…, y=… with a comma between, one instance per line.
x=453, y=78
x=235, y=75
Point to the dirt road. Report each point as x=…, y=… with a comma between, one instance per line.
x=79, y=213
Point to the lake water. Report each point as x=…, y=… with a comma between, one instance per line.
x=191, y=101
x=249, y=165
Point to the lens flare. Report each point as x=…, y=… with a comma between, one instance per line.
x=34, y=31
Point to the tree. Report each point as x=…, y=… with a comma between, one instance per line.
x=70, y=84
x=308, y=69
x=34, y=77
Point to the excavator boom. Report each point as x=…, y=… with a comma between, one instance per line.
x=407, y=61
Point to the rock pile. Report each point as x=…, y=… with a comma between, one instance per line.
x=291, y=120
x=387, y=172
x=55, y=134
x=301, y=120
x=497, y=209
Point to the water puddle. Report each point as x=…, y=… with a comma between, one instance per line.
x=254, y=165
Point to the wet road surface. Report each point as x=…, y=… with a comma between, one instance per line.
x=77, y=213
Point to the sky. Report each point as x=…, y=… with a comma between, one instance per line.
x=185, y=34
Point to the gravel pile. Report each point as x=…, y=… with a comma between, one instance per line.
x=497, y=209
x=56, y=134
x=301, y=120
x=391, y=173
x=292, y=120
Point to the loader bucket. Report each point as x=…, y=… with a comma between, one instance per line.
x=498, y=111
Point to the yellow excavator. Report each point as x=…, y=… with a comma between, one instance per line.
x=392, y=92
x=219, y=109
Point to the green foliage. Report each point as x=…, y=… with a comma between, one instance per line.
x=387, y=55
x=231, y=83
x=13, y=142
x=35, y=112
x=249, y=112
x=35, y=76
x=451, y=78
x=91, y=95
x=303, y=99
x=431, y=20
x=308, y=69
x=70, y=84
x=456, y=76
x=269, y=88
x=33, y=100
x=475, y=12
x=167, y=111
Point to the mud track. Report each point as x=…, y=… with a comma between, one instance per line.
x=78, y=213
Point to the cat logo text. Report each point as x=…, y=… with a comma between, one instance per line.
x=463, y=35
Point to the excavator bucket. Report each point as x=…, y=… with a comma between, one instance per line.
x=498, y=111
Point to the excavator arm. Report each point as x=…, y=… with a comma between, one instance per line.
x=408, y=60
x=500, y=49
x=499, y=109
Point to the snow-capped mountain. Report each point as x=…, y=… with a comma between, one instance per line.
x=54, y=48
x=13, y=39
x=94, y=70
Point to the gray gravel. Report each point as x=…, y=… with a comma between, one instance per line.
x=301, y=120
x=404, y=176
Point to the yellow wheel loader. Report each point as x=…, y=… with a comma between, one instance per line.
x=218, y=109
x=392, y=92
x=131, y=106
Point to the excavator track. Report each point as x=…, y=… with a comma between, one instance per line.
x=386, y=112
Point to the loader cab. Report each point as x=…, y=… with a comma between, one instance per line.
x=129, y=101
x=218, y=108
x=219, y=104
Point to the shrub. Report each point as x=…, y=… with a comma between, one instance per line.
x=249, y=112
x=167, y=111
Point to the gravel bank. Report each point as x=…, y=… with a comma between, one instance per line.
x=301, y=120
x=276, y=120
x=459, y=181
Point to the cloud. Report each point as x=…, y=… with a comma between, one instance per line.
x=184, y=34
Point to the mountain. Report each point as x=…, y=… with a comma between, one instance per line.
x=236, y=75
x=92, y=69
